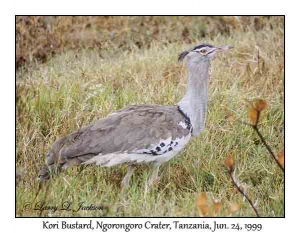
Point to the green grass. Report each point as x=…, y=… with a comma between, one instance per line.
x=74, y=89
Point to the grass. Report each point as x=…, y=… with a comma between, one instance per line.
x=74, y=88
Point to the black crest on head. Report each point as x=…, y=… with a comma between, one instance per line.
x=183, y=54
x=202, y=45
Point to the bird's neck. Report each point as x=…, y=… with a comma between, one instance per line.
x=194, y=102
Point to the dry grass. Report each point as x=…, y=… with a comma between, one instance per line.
x=76, y=87
x=41, y=37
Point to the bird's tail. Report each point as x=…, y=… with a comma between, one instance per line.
x=51, y=168
x=55, y=163
x=44, y=173
x=47, y=171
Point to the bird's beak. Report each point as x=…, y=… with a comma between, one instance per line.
x=215, y=50
x=224, y=48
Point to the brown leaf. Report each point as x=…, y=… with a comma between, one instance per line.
x=253, y=114
x=260, y=104
x=216, y=206
x=201, y=199
x=280, y=158
x=201, y=203
x=203, y=210
x=229, y=162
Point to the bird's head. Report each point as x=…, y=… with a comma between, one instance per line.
x=202, y=52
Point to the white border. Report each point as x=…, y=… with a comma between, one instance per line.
x=7, y=43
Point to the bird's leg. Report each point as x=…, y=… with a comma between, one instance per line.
x=154, y=176
x=126, y=179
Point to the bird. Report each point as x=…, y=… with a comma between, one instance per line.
x=139, y=134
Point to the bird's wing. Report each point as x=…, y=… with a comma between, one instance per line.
x=136, y=129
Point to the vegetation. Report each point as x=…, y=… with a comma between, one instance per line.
x=118, y=61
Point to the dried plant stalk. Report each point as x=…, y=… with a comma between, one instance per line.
x=229, y=162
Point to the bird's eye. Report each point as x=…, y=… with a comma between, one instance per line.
x=203, y=51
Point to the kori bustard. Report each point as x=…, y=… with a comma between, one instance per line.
x=141, y=133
